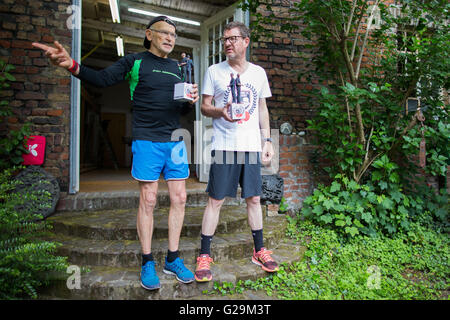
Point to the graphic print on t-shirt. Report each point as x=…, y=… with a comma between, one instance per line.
x=249, y=97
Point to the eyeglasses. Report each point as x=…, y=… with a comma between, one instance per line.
x=232, y=39
x=166, y=33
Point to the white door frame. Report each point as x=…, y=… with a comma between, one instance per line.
x=75, y=97
x=200, y=59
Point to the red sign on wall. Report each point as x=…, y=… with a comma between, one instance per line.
x=36, y=147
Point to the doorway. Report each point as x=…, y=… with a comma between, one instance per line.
x=102, y=130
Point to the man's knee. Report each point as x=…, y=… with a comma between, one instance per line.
x=253, y=201
x=215, y=204
x=178, y=198
x=148, y=198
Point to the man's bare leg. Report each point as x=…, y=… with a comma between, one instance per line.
x=254, y=212
x=211, y=216
x=144, y=221
x=261, y=256
x=177, y=193
x=174, y=265
x=209, y=225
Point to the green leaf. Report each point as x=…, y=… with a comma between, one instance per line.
x=318, y=210
x=9, y=77
x=340, y=223
x=376, y=175
x=352, y=185
x=387, y=203
x=383, y=185
x=402, y=210
x=372, y=197
x=335, y=186
x=396, y=195
x=352, y=230
x=327, y=218
x=328, y=204
x=366, y=216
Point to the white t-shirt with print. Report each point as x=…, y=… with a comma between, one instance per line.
x=245, y=134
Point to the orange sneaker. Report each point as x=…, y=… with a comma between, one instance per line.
x=262, y=258
x=202, y=272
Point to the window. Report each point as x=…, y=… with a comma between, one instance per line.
x=216, y=53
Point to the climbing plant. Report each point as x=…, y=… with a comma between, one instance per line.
x=375, y=56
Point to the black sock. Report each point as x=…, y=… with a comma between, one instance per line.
x=206, y=244
x=146, y=258
x=258, y=239
x=172, y=255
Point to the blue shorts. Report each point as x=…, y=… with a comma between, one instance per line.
x=151, y=158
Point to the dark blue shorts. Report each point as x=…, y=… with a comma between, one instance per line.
x=232, y=168
x=150, y=159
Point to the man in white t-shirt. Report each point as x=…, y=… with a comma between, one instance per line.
x=236, y=144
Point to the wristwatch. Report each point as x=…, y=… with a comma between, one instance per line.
x=268, y=139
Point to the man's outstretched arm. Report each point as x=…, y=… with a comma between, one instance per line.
x=59, y=56
x=102, y=78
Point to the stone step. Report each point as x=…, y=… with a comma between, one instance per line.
x=121, y=224
x=127, y=253
x=110, y=283
x=112, y=200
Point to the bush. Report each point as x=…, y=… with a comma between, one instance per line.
x=12, y=144
x=351, y=208
x=412, y=266
x=25, y=260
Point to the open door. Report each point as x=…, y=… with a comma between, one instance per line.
x=211, y=53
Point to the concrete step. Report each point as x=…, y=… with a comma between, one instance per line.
x=111, y=283
x=127, y=253
x=121, y=224
x=112, y=200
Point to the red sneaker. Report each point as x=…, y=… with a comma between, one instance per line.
x=203, y=272
x=262, y=258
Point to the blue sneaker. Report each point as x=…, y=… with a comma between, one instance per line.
x=149, y=279
x=178, y=269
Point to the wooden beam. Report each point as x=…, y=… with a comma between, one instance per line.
x=144, y=21
x=132, y=32
x=163, y=10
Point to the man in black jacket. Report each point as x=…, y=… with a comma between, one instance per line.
x=151, y=76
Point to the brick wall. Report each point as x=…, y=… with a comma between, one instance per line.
x=41, y=92
x=279, y=56
x=295, y=169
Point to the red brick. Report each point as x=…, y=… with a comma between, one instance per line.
x=16, y=61
x=284, y=174
x=21, y=44
x=40, y=62
x=34, y=54
x=58, y=112
x=285, y=53
x=47, y=38
x=30, y=95
x=18, y=53
x=32, y=70
x=5, y=44
x=262, y=58
x=287, y=168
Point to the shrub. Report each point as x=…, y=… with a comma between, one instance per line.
x=25, y=260
x=371, y=208
x=12, y=144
